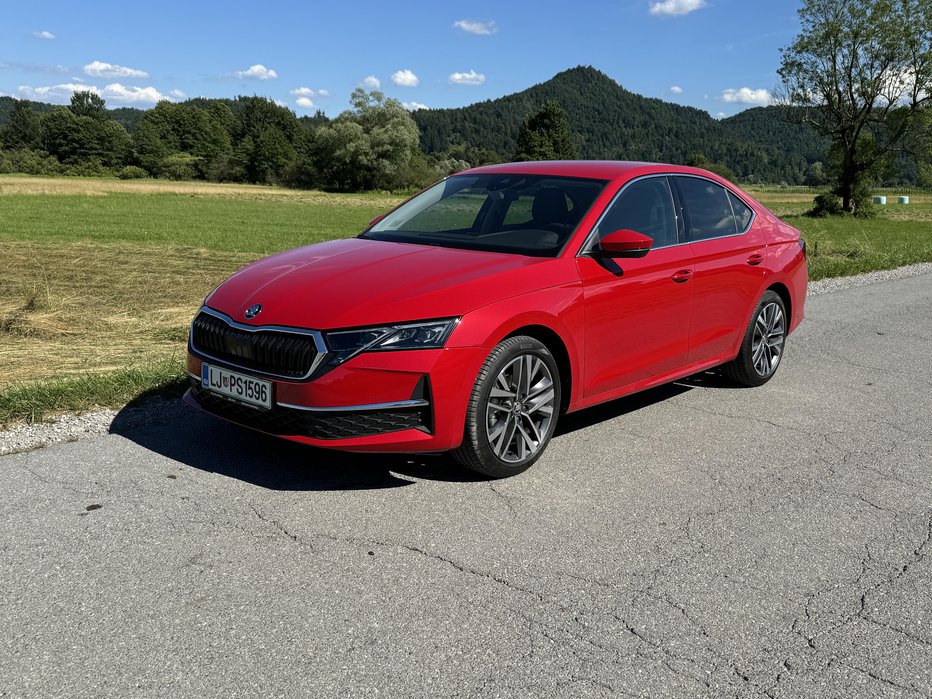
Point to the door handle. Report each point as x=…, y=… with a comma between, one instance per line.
x=755, y=259
x=684, y=275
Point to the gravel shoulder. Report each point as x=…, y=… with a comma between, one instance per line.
x=70, y=428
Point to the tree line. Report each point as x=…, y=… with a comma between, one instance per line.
x=376, y=144
x=373, y=145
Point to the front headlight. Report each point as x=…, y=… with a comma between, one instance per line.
x=431, y=334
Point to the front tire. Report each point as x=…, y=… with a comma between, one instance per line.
x=513, y=409
x=763, y=344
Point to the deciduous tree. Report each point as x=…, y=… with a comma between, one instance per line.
x=861, y=70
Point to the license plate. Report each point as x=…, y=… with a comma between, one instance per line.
x=239, y=387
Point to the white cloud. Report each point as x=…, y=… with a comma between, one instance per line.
x=44, y=35
x=303, y=92
x=414, y=106
x=256, y=72
x=672, y=8
x=746, y=95
x=99, y=69
x=280, y=103
x=676, y=89
x=114, y=92
x=54, y=93
x=177, y=94
x=470, y=78
x=305, y=102
x=372, y=83
x=720, y=115
x=324, y=93
x=471, y=26
x=405, y=78
x=119, y=93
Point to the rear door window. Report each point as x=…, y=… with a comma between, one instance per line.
x=707, y=208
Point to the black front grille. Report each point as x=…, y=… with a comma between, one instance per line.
x=269, y=351
x=322, y=425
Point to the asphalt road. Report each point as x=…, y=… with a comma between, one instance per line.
x=697, y=540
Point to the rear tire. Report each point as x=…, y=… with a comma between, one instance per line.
x=762, y=346
x=513, y=409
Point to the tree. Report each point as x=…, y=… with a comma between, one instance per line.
x=368, y=147
x=546, y=136
x=76, y=139
x=273, y=153
x=859, y=73
x=815, y=175
x=88, y=104
x=171, y=129
x=24, y=129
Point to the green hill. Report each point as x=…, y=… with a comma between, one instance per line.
x=614, y=123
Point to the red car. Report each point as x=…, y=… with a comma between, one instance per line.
x=473, y=315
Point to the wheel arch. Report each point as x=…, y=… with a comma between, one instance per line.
x=781, y=290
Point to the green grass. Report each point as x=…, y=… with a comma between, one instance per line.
x=37, y=400
x=229, y=225
x=840, y=246
x=844, y=246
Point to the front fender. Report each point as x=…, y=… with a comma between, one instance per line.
x=558, y=309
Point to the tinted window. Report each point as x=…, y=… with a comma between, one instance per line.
x=743, y=213
x=645, y=206
x=526, y=214
x=708, y=208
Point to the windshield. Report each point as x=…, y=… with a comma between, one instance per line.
x=522, y=214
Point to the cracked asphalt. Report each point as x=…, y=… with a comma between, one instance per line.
x=695, y=540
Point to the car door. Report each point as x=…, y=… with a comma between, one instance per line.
x=727, y=251
x=637, y=309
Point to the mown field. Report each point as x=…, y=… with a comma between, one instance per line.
x=99, y=278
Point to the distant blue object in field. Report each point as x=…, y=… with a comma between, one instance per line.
x=903, y=200
x=880, y=200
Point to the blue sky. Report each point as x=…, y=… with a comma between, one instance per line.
x=718, y=55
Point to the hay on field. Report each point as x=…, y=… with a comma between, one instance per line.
x=72, y=308
x=98, y=187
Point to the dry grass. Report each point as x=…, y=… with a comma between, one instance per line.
x=77, y=308
x=99, y=187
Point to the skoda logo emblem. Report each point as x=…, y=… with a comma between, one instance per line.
x=253, y=311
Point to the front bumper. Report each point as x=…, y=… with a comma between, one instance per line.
x=406, y=401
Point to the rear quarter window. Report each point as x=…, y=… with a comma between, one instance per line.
x=743, y=213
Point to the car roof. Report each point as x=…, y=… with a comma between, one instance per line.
x=596, y=169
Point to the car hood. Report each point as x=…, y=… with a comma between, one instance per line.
x=354, y=282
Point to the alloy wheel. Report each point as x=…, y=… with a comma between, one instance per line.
x=520, y=408
x=768, y=340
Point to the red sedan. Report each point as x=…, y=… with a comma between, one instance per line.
x=469, y=318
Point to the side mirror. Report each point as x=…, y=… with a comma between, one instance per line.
x=375, y=220
x=625, y=243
